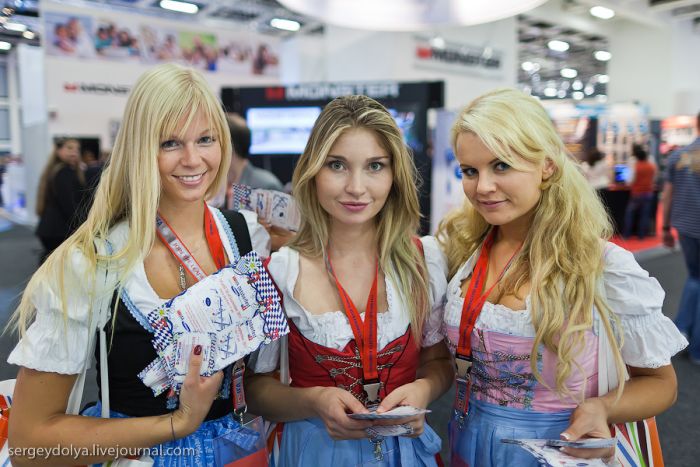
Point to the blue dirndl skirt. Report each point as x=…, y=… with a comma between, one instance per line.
x=478, y=443
x=307, y=443
x=195, y=450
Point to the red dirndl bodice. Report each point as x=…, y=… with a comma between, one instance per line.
x=312, y=364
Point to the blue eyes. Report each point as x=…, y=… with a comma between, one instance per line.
x=472, y=172
x=337, y=165
x=468, y=171
x=173, y=144
x=170, y=144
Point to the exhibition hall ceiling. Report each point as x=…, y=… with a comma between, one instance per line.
x=560, y=62
x=542, y=70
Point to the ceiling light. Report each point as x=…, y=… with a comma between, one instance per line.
x=550, y=92
x=408, y=15
x=601, y=98
x=5, y=45
x=602, y=12
x=568, y=73
x=589, y=89
x=561, y=94
x=603, y=79
x=526, y=66
x=180, y=7
x=19, y=27
x=577, y=95
x=28, y=35
x=437, y=42
x=565, y=85
x=558, y=46
x=577, y=85
x=602, y=55
x=285, y=24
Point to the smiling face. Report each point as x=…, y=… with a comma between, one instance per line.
x=356, y=178
x=188, y=163
x=502, y=195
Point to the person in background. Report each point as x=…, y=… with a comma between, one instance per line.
x=681, y=203
x=244, y=173
x=641, y=194
x=60, y=193
x=596, y=169
x=534, y=282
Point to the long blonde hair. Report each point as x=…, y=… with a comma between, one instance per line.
x=562, y=254
x=53, y=165
x=397, y=222
x=129, y=189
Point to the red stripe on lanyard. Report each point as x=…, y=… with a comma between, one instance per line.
x=367, y=339
x=216, y=247
x=179, y=250
x=474, y=301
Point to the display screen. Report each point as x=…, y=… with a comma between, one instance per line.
x=622, y=173
x=280, y=130
x=406, y=121
x=285, y=130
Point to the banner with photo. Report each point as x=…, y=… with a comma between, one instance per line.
x=101, y=35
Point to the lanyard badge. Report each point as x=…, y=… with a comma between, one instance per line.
x=474, y=301
x=365, y=333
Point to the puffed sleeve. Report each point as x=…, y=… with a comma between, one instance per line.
x=54, y=342
x=650, y=338
x=266, y=358
x=259, y=237
x=437, y=277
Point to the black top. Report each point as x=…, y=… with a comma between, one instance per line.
x=63, y=197
x=130, y=351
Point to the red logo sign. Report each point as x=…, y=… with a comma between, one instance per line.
x=274, y=94
x=70, y=87
x=424, y=52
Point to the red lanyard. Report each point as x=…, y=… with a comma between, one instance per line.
x=170, y=239
x=365, y=332
x=183, y=255
x=474, y=300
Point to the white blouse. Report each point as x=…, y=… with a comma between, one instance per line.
x=650, y=338
x=332, y=329
x=57, y=345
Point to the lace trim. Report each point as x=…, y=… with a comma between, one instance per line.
x=134, y=311
x=229, y=234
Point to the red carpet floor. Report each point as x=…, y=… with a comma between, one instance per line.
x=635, y=245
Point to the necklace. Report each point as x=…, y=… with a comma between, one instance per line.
x=183, y=279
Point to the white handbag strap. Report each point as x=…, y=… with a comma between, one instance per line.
x=98, y=320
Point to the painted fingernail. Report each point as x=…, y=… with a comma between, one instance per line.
x=197, y=349
x=566, y=436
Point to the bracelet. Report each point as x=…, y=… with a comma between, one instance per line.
x=172, y=428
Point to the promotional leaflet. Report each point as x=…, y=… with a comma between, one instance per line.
x=275, y=207
x=230, y=314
